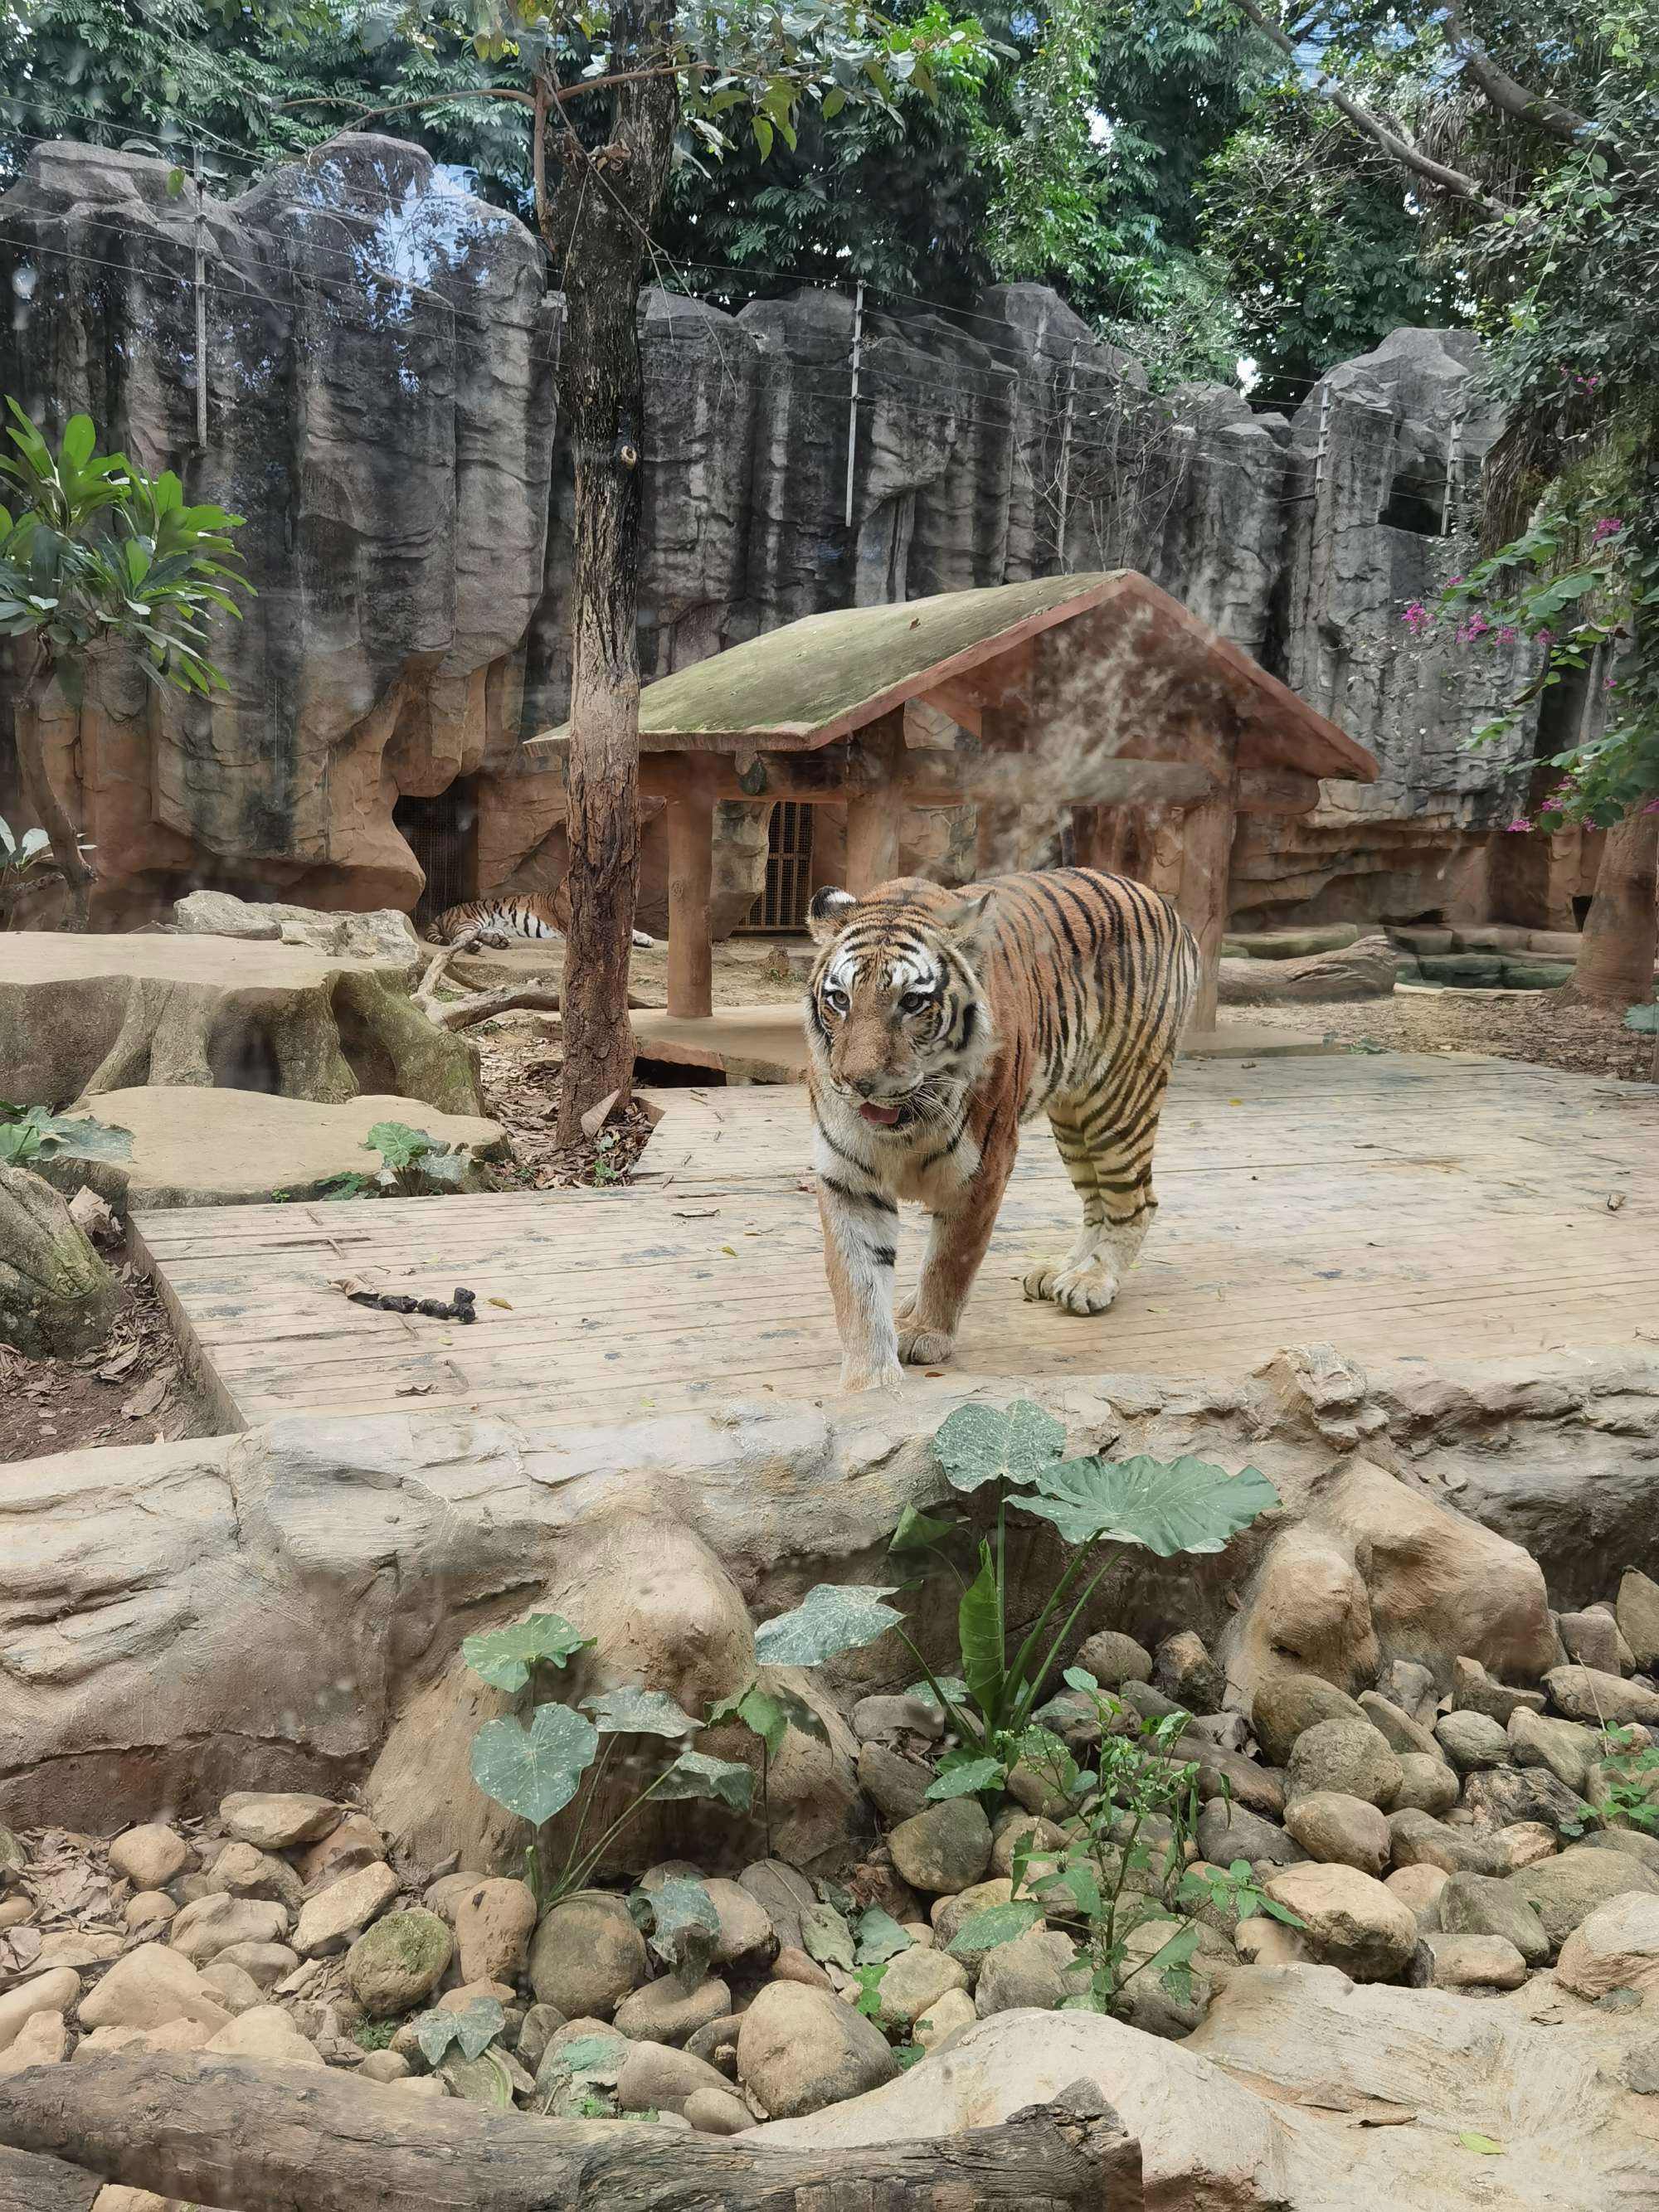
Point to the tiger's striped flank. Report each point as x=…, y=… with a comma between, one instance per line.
x=509, y=915
x=938, y=1021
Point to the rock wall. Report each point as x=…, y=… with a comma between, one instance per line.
x=380, y=361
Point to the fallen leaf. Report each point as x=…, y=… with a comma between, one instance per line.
x=114, y=1370
x=415, y=1390
x=730, y=1251
x=502, y=1303
x=596, y=1116
x=1484, y=2144
x=696, y=1213
x=146, y=1399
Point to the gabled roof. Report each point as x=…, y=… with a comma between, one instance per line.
x=827, y=675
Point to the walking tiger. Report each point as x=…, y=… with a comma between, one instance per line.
x=937, y=1021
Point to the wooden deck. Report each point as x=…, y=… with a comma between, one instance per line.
x=1443, y=1207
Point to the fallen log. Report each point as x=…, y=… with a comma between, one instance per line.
x=29, y=2183
x=249, y=2138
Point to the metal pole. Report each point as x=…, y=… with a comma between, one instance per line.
x=1454, y=455
x=1066, y=457
x=853, y=405
x=201, y=305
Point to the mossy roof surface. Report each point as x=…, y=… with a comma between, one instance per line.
x=817, y=675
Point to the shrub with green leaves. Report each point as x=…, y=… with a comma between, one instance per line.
x=30, y=1135
x=537, y=1763
x=1098, y=1507
x=412, y=1165
x=23, y=861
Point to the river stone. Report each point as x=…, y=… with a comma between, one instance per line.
x=1034, y=1972
x=1593, y=1640
x=1419, y=1888
x=944, y=1849
x=1346, y=1755
x=1630, y=1841
x=1258, y=1789
x=1568, y=1889
x=1617, y=1948
x=1015, y=1830
x=243, y=1870
x=784, y=1892
x=398, y=1963
x=1473, y=1962
x=1226, y=1833
x=147, y=1988
x=54, y=1992
x=1566, y=1748
x=1114, y=1659
x=211, y=1924
x=329, y=1921
x=1585, y=1693
x=266, y=1964
x=268, y=2036
x=342, y=1850
x=1473, y=1740
x=1406, y=1735
x=717, y=2042
x=1474, y=1691
x=1334, y=1828
x=655, y=2077
x=663, y=2012
x=149, y=1857
x=1637, y=1612
x=896, y=1786
x=1288, y=1705
x=718, y=2113
x=890, y=1720
x=914, y=1981
x=1427, y=1785
x=1185, y=1671
x=586, y=1956
x=42, y=2040
x=493, y=1921
x=799, y=2050
x=1349, y=1919
x=1510, y=1797
x=950, y=1915
x=746, y=1930
x=1419, y=1839
x=952, y=2012
x=235, y=1990
x=275, y=1821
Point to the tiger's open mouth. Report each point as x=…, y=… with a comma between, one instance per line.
x=883, y=1117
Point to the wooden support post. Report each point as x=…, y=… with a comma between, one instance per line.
x=690, y=882
x=1206, y=839
x=872, y=814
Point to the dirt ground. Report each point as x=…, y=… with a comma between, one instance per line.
x=1532, y=1026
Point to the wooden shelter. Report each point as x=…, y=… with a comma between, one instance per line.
x=1095, y=693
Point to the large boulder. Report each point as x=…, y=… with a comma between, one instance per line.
x=1300, y=2092
x=57, y=1296
x=1341, y=976
x=802, y=2049
x=210, y=1147
x=81, y=1016
x=384, y=934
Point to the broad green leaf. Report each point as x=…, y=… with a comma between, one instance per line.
x=832, y=1618
x=1645, y=1019
x=1079, y=1678
x=968, y=1780
x=1081, y=1884
x=434, y=2031
x=1173, y=1963
x=763, y=130
x=996, y=1925
x=879, y=1937
x=764, y=1716
x=979, y=1627
x=482, y=2080
x=634, y=1712
x=60, y=1136
x=504, y=1656
x=952, y=1685
x=398, y=1146
x=916, y=1531
x=694, y=1774
x=473, y=2029
x=1483, y=2144
x=686, y=1925
x=598, y=2056
x=79, y=439
x=1166, y=1506
x=534, y=1771
x=979, y=1444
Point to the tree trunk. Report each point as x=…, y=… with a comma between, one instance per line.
x=1621, y=931
x=41, y=797
x=598, y=231
x=255, y=2139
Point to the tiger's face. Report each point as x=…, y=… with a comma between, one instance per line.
x=896, y=1013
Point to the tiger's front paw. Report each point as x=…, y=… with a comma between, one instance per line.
x=856, y=1377
x=1089, y=1289
x=925, y=1347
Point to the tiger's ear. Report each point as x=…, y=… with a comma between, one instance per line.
x=826, y=917
x=967, y=923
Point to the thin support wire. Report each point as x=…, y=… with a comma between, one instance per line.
x=853, y=407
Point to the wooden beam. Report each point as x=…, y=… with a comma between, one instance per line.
x=1282, y=790
x=1207, y=840
x=248, y=2138
x=691, y=883
x=875, y=760
x=962, y=700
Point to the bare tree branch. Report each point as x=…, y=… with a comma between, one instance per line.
x=1374, y=128
x=1502, y=91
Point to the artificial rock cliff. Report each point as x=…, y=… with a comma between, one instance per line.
x=380, y=361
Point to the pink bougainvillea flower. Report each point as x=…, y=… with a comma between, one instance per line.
x=1543, y=637
x=1519, y=823
x=1508, y=633
x=1608, y=525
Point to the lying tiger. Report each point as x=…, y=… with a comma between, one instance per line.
x=509, y=915
x=937, y=1022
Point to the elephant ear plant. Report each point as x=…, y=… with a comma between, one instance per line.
x=1097, y=1506
x=537, y=1767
